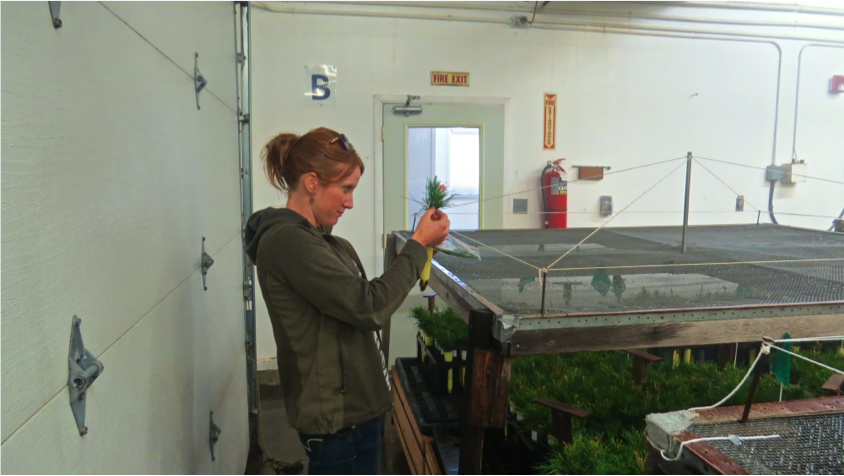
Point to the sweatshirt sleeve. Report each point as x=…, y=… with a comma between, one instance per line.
x=309, y=266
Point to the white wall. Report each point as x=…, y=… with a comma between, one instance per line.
x=110, y=179
x=624, y=100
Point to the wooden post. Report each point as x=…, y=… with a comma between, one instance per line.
x=641, y=361
x=561, y=419
x=544, y=277
x=761, y=367
x=432, y=301
x=486, y=391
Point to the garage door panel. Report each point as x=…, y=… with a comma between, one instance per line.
x=108, y=189
x=143, y=412
x=216, y=52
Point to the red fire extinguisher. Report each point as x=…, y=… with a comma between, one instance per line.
x=554, y=181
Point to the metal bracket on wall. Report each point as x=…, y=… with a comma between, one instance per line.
x=199, y=80
x=213, y=435
x=207, y=262
x=83, y=369
x=55, y=7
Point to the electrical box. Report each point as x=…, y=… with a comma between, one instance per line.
x=520, y=206
x=794, y=172
x=606, y=205
x=836, y=85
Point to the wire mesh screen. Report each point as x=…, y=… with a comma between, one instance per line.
x=639, y=269
x=807, y=444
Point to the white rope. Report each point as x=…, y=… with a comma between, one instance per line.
x=811, y=339
x=567, y=182
x=614, y=216
x=764, y=350
x=767, y=344
x=763, y=168
x=737, y=440
x=808, y=359
x=686, y=265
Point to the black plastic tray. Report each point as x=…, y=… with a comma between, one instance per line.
x=428, y=409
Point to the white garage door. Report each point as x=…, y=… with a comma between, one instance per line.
x=110, y=179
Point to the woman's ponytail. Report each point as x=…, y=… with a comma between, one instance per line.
x=275, y=156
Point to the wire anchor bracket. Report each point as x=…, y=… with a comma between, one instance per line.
x=207, y=262
x=55, y=9
x=213, y=435
x=199, y=80
x=83, y=369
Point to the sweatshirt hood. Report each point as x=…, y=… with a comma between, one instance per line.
x=261, y=221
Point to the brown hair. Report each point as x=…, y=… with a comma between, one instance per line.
x=287, y=157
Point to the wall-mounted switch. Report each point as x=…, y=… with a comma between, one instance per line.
x=606, y=205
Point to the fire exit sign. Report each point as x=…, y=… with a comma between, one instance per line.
x=445, y=78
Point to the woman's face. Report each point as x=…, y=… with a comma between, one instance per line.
x=332, y=200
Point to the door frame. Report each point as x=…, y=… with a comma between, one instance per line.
x=379, y=101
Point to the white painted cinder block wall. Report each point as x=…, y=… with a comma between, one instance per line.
x=624, y=100
x=111, y=177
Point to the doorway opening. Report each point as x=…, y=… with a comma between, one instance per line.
x=453, y=155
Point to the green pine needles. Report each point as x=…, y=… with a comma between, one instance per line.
x=436, y=195
x=448, y=329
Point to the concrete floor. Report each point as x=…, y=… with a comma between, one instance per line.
x=281, y=442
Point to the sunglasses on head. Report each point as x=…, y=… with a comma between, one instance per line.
x=344, y=141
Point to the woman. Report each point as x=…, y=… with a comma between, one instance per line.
x=323, y=309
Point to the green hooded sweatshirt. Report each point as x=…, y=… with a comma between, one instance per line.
x=324, y=314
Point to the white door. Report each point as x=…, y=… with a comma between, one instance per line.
x=463, y=145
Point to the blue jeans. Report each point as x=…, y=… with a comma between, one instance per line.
x=355, y=450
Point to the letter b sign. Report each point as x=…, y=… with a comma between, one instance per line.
x=322, y=85
x=319, y=87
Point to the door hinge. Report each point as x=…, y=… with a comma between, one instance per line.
x=382, y=133
x=383, y=241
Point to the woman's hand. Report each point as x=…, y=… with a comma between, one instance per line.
x=432, y=229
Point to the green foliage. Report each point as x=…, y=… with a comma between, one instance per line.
x=443, y=325
x=594, y=454
x=436, y=195
x=610, y=440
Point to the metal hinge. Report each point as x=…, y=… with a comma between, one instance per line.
x=382, y=133
x=383, y=241
x=207, y=262
x=247, y=291
x=213, y=435
x=244, y=119
x=83, y=369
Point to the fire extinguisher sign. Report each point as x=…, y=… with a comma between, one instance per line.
x=550, y=129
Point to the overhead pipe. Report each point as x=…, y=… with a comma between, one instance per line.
x=536, y=24
x=596, y=13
